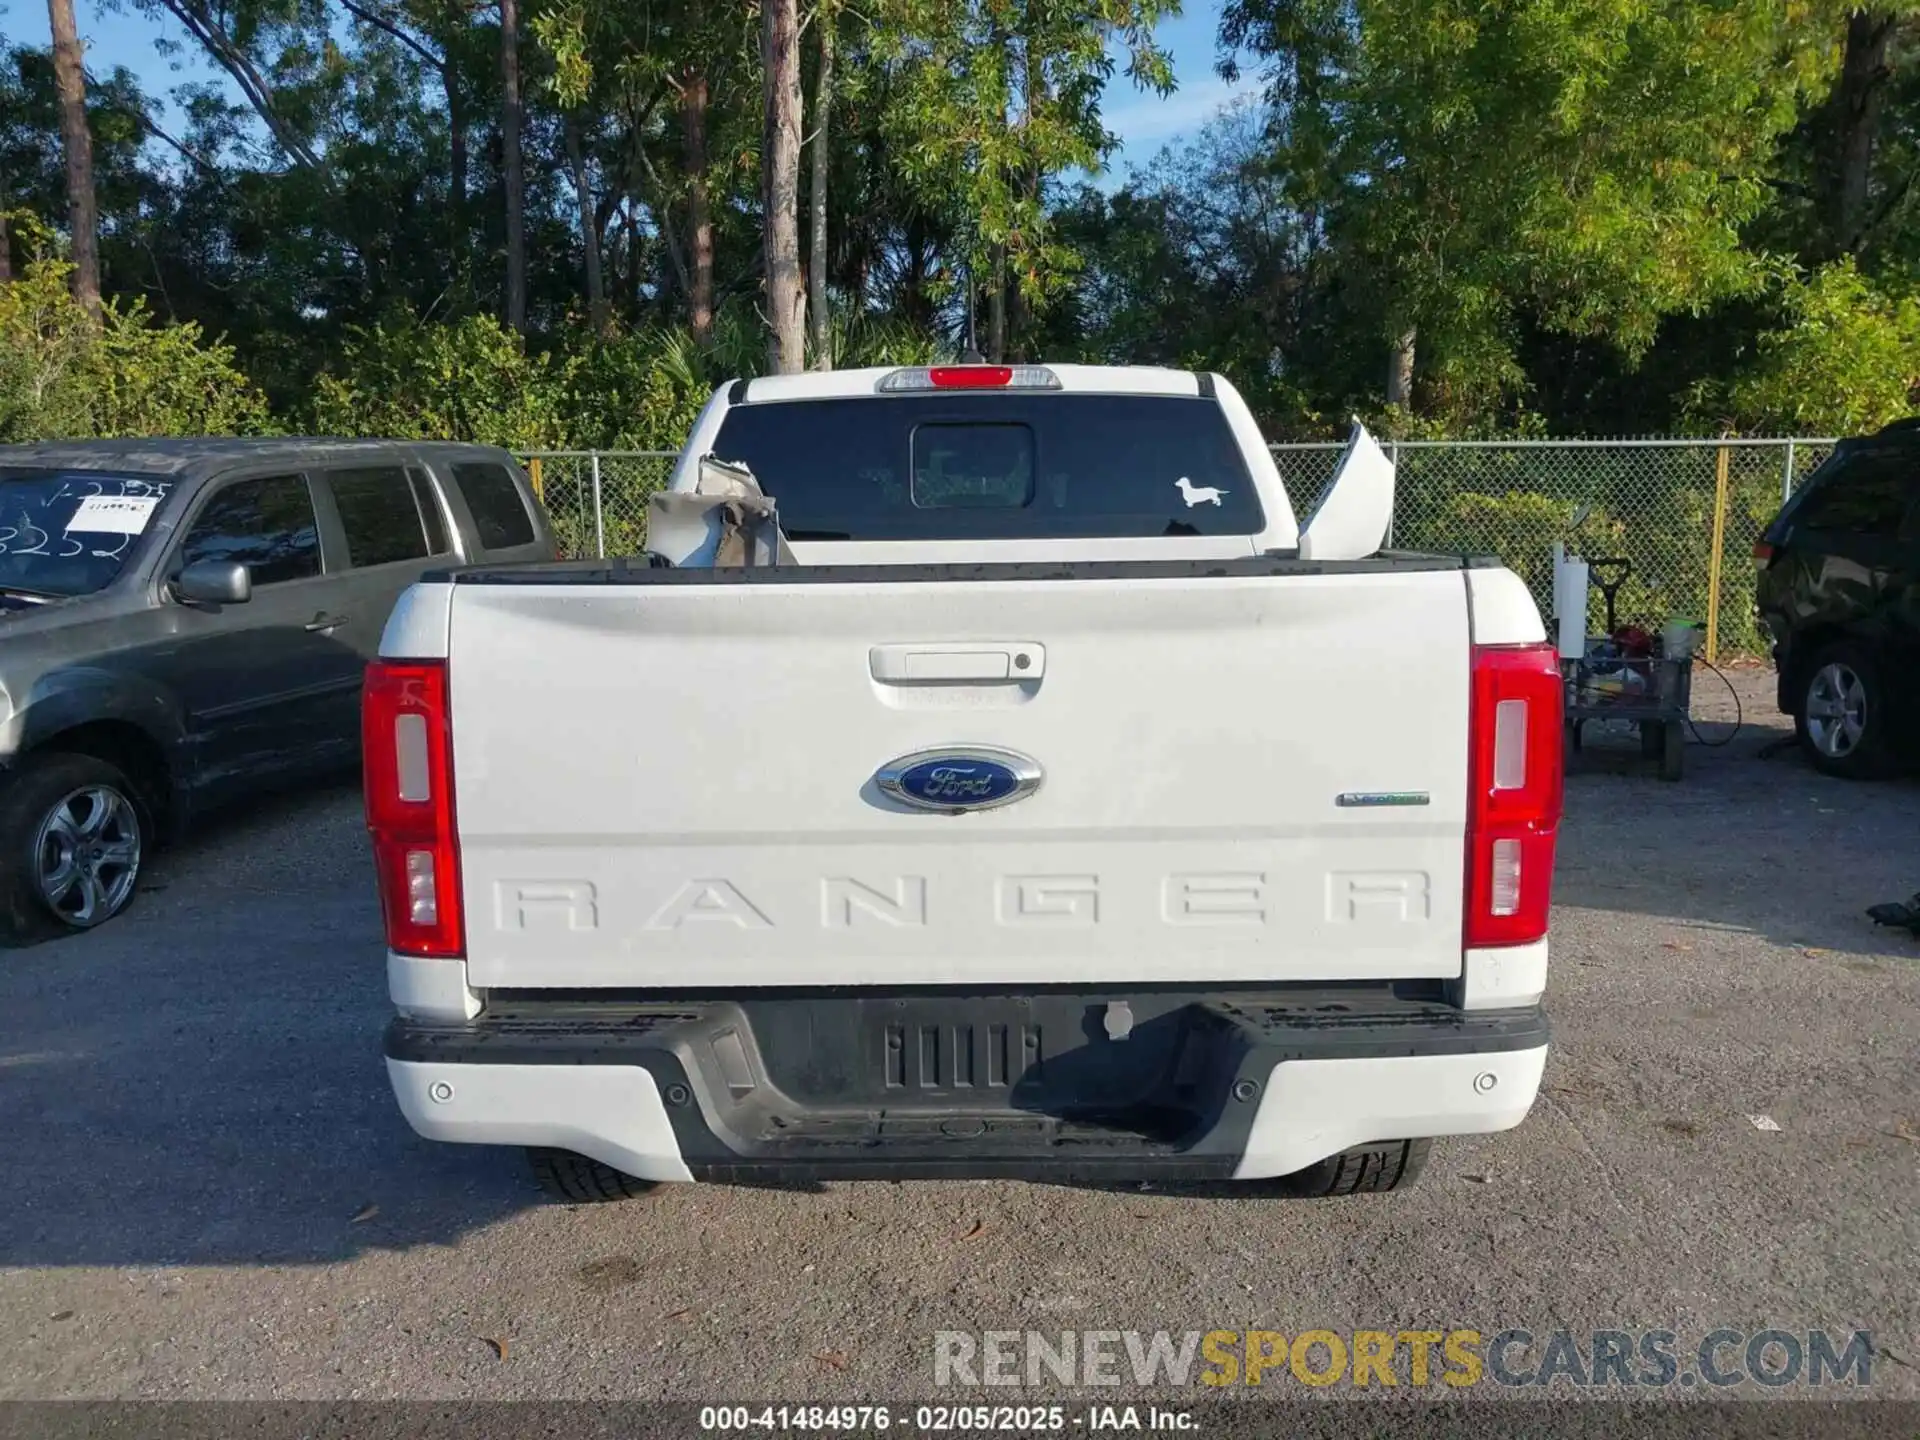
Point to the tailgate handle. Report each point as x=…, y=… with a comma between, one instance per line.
x=978, y=663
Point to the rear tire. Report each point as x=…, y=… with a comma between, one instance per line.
x=578, y=1180
x=1843, y=712
x=1364, y=1170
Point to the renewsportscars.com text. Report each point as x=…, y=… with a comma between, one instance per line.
x=1719, y=1359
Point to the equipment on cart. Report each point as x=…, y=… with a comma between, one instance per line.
x=1619, y=567
x=1627, y=672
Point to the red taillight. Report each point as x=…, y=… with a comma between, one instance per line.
x=970, y=377
x=409, y=787
x=1762, y=553
x=1513, y=808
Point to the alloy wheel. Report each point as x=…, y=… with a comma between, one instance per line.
x=1836, y=710
x=87, y=856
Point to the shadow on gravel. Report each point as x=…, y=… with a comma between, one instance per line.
x=1751, y=839
x=200, y=1082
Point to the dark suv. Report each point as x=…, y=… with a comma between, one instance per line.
x=184, y=623
x=1839, y=591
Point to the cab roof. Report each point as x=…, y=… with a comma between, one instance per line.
x=1073, y=379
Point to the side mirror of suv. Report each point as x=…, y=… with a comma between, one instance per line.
x=214, y=582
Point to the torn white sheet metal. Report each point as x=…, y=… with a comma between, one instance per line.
x=1355, y=512
x=726, y=520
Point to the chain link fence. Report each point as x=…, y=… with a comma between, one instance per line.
x=1685, y=512
x=596, y=500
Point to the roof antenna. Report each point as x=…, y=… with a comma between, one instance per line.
x=971, y=355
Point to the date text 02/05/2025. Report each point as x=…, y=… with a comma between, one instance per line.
x=944, y=1419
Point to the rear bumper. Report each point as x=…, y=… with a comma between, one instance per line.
x=926, y=1086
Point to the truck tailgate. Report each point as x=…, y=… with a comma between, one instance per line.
x=1246, y=777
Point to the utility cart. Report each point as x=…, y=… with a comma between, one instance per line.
x=1656, y=692
x=1630, y=675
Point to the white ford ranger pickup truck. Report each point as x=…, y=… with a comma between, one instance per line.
x=1055, y=806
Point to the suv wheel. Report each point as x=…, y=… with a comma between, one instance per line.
x=1842, y=716
x=72, y=838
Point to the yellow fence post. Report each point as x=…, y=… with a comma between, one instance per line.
x=539, y=481
x=1721, y=463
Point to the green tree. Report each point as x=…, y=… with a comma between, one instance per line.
x=1586, y=166
x=780, y=184
x=1844, y=359
x=1202, y=261
x=65, y=373
x=642, y=80
x=989, y=98
x=1592, y=215
x=83, y=222
x=471, y=380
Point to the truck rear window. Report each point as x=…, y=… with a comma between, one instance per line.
x=995, y=467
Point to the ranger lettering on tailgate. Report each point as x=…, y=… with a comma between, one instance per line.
x=1051, y=901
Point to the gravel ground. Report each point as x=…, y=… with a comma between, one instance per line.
x=211, y=1195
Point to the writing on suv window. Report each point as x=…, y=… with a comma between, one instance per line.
x=65, y=533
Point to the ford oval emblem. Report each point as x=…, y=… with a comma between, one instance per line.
x=960, y=779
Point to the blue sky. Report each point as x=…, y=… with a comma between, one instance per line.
x=1145, y=122
x=117, y=34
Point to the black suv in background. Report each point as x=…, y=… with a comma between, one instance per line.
x=1839, y=591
